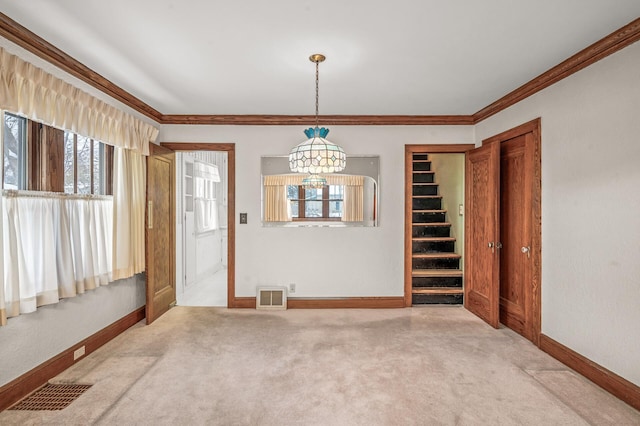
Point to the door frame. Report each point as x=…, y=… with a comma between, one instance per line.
x=230, y=149
x=409, y=150
x=534, y=169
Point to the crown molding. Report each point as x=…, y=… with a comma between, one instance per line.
x=308, y=120
x=612, y=43
x=26, y=39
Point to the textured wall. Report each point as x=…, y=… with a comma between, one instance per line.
x=31, y=339
x=590, y=208
x=323, y=262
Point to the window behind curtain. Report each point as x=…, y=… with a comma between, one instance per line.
x=15, y=152
x=324, y=203
x=84, y=167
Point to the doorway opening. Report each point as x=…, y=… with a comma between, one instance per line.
x=229, y=192
x=201, y=228
x=434, y=223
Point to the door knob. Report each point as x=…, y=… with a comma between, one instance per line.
x=527, y=250
x=491, y=245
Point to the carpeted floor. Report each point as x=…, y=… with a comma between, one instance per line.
x=418, y=366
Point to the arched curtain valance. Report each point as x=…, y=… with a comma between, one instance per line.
x=30, y=91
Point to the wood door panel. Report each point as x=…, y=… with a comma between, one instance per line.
x=514, y=207
x=161, y=279
x=481, y=267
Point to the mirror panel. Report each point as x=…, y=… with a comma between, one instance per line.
x=350, y=197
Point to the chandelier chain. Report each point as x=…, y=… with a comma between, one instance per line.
x=317, y=91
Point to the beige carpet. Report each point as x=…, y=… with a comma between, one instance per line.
x=419, y=366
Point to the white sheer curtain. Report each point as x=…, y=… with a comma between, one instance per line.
x=55, y=246
x=129, y=186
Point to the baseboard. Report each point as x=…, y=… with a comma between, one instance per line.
x=17, y=389
x=607, y=380
x=346, y=303
x=243, y=303
x=329, y=303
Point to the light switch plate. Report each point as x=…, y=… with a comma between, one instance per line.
x=243, y=218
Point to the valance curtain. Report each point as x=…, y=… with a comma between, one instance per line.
x=277, y=207
x=59, y=246
x=30, y=91
x=129, y=186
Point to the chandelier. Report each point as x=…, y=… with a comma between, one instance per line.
x=317, y=155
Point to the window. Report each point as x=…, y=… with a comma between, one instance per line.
x=38, y=157
x=15, y=152
x=84, y=165
x=316, y=203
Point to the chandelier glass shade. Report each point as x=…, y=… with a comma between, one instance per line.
x=314, y=181
x=317, y=154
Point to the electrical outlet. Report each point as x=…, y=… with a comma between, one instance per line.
x=243, y=218
x=292, y=288
x=78, y=353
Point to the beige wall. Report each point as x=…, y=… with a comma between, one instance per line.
x=449, y=175
x=590, y=208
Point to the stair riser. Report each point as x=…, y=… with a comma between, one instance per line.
x=422, y=167
x=420, y=156
x=437, y=299
x=443, y=263
x=433, y=246
x=428, y=217
x=421, y=282
x=425, y=190
x=423, y=177
x=427, y=203
x=431, y=231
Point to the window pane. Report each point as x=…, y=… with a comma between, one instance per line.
x=295, y=205
x=293, y=194
x=336, y=192
x=68, y=163
x=335, y=208
x=83, y=164
x=313, y=194
x=313, y=208
x=15, y=152
x=98, y=168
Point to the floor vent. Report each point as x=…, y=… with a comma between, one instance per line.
x=51, y=397
x=274, y=298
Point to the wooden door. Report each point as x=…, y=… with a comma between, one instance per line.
x=482, y=262
x=160, y=235
x=515, y=208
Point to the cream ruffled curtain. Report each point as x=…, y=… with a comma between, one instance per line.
x=278, y=209
x=129, y=185
x=276, y=205
x=28, y=90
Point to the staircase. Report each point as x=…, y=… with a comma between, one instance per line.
x=436, y=275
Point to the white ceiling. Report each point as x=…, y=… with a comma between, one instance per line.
x=413, y=57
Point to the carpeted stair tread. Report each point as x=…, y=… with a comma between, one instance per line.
x=436, y=256
x=429, y=211
x=437, y=290
x=436, y=273
x=433, y=239
x=432, y=224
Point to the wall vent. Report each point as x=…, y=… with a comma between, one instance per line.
x=272, y=298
